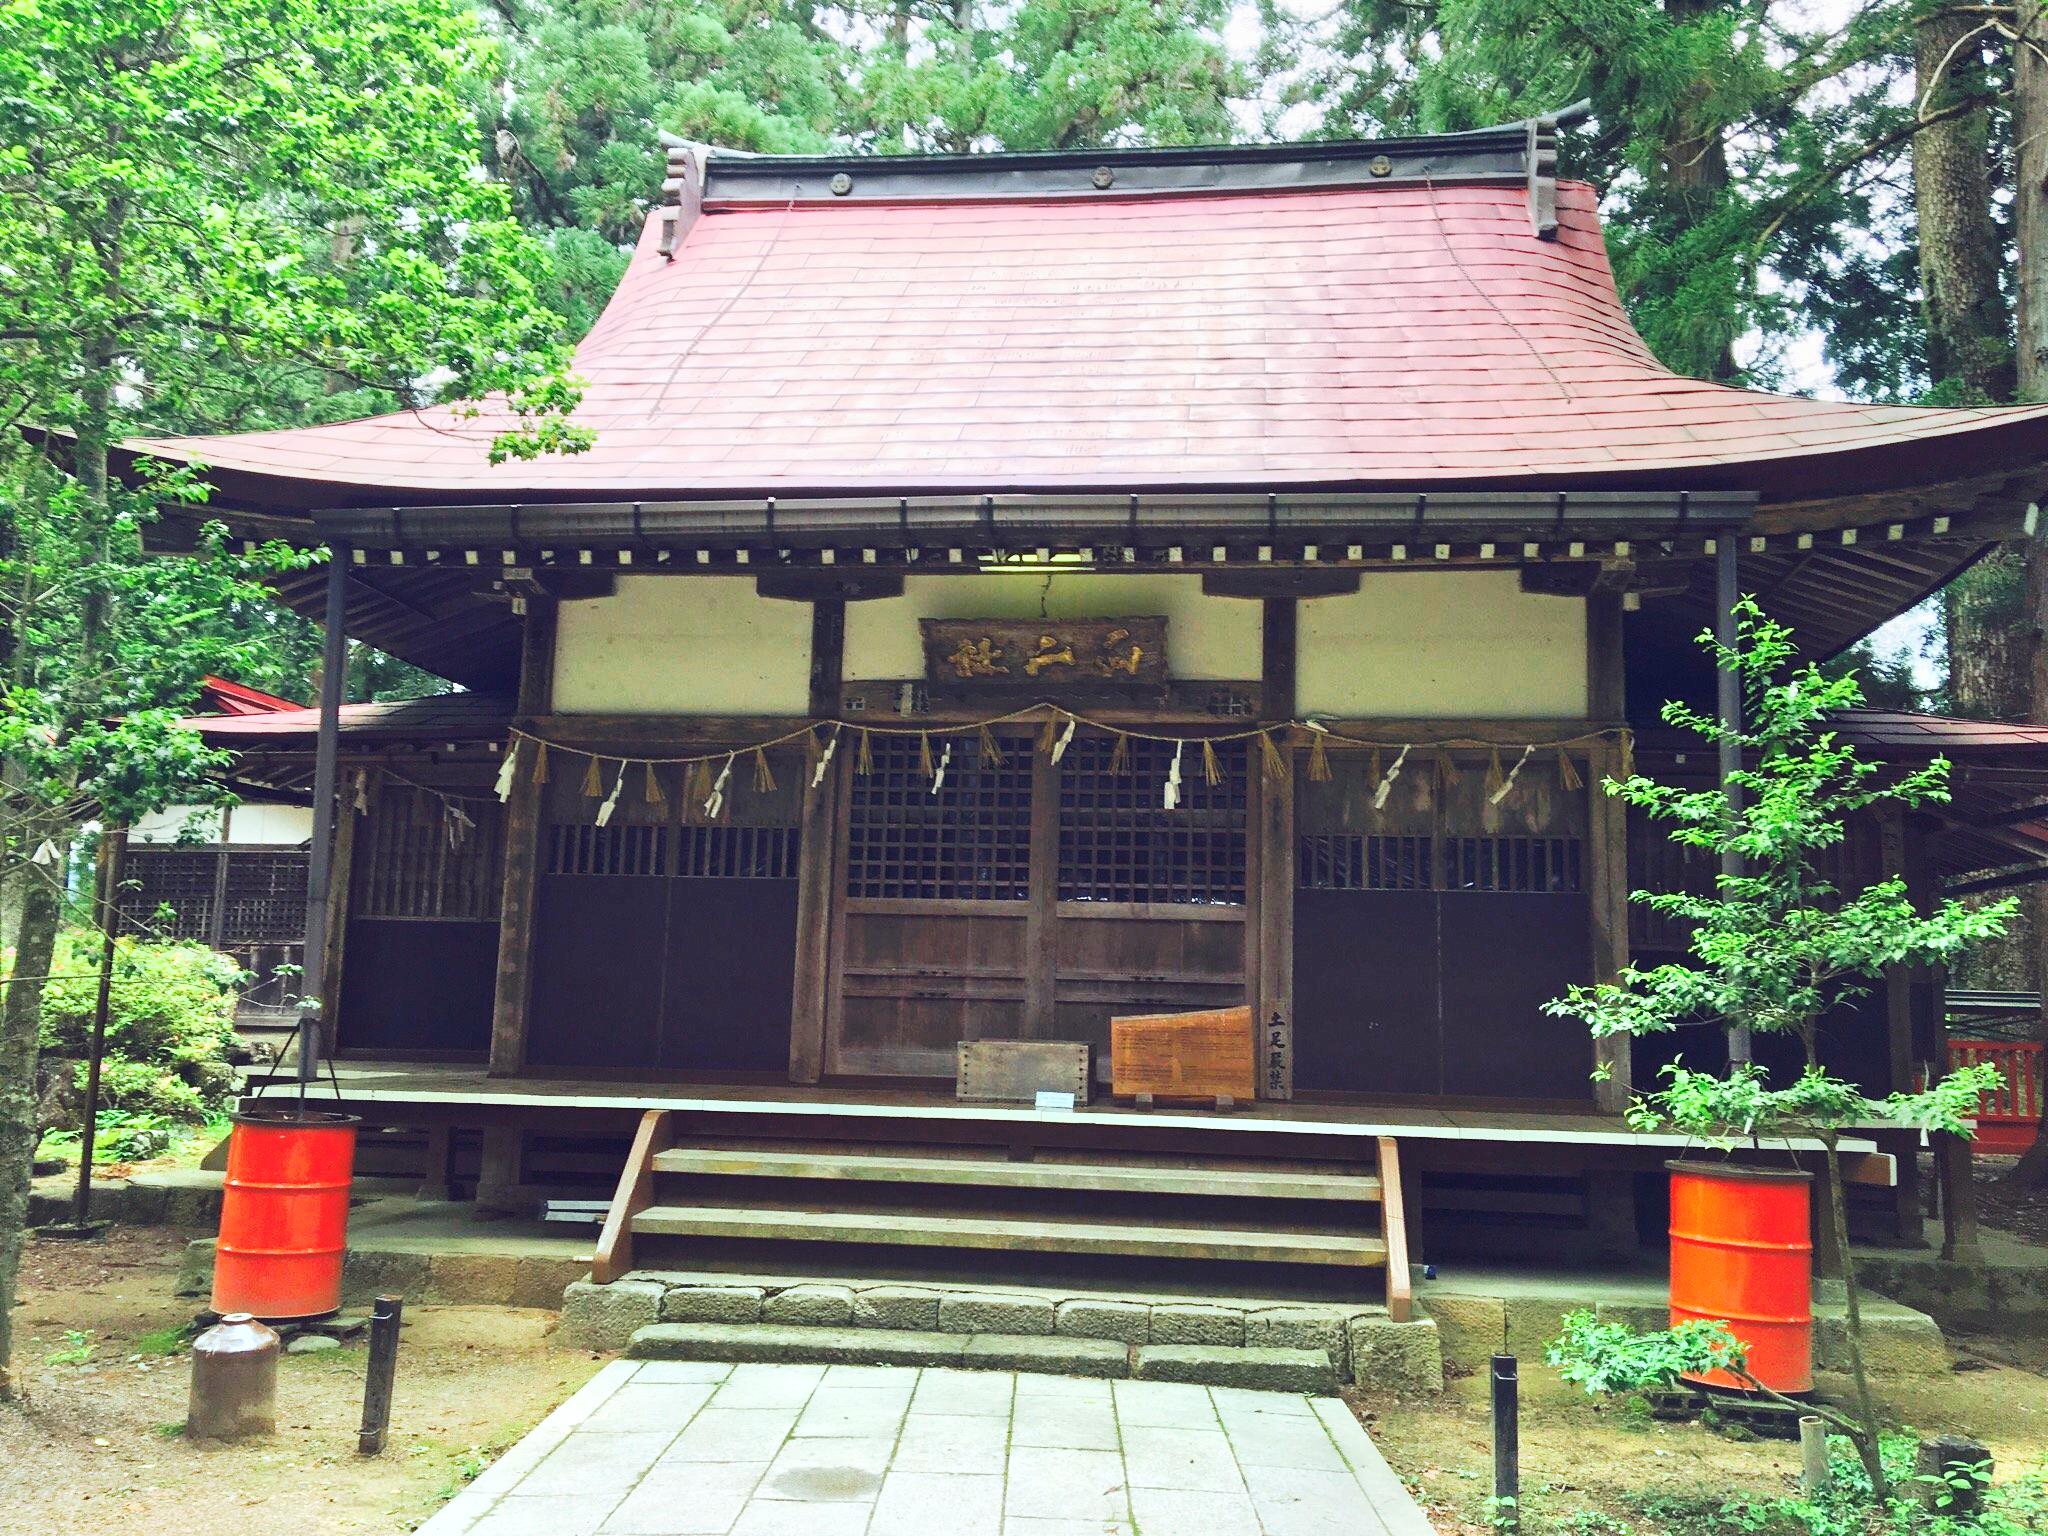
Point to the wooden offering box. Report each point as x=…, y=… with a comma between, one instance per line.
x=1017, y=1071
x=1184, y=1056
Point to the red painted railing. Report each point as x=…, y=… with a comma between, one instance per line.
x=2009, y=1116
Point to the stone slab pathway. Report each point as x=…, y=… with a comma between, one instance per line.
x=687, y=1449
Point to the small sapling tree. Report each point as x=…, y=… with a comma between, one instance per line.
x=1773, y=949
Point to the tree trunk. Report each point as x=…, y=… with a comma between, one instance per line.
x=2030, y=234
x=1695, y=162
x=1969, y=343
x=1868, y=1442
x=21, y=1021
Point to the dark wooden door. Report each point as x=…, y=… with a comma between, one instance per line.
x=1431, y=924
x=663, y=942
x=1028, y=900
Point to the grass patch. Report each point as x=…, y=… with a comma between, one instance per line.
x=163, y=1341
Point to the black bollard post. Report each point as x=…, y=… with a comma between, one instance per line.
x=384, y=1318
x=1507, y=1447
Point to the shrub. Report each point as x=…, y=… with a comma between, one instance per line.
x=170, y=1022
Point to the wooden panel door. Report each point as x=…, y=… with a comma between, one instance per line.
x=1148, y=904
x=1028, y=900
x=935, y=921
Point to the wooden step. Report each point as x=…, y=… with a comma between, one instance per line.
x=1012, y=1234
x=997, y=1173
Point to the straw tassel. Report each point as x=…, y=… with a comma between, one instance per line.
x=540, y=762
x=991, y=754
x=1446, y=770
x=1269, y=755
x=1048, y=737
x=653, y=788
x=1496, y=778
x=593, y=781
x=764, y=778
x=812, y=753
x=864, y=760
x=1567, y=772
x=1120, y=754
x=1319, y=755
x=506, y=770
x=699, y=788
x=1212, y=771
x=924, y=753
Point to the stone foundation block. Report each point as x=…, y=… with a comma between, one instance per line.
x=1219, y=1365
x=810, y=1306
x=896, y=1306
x=1901, y=1343
x=1128, y=1322
x=1532, y=1323
x=985, y=1312
x=1195, y=1323
x=712, y=1304
x=1051, y=1356
x=195, y=1268
x=1300, y=1328
x=1396, y=1357
x=1470, y=1329
x=607, y=1316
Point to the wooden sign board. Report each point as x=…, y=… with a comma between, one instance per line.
x=1044, y=655
x=1017, y=1071
x=1208, y=1055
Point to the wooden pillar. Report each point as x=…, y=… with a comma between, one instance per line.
x=1272, y=944
x=522, y=853
x=1959, y=1242
x=319, y=857
x=1041, y=925
x=818, y=854
x=1895, y=857
x=340, y=887
x=1606, y=861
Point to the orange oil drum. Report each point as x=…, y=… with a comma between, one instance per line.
x=1742, y=1253
x=284, y=1214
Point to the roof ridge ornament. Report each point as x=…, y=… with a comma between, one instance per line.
x=1541, y=157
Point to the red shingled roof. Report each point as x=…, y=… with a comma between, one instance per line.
x=1381, y=337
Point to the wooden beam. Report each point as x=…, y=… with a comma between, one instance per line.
x=1278, y=649
x=817, y=884
x=522, y=854
x=1606, y=862
x=813, y=586
x=1394, y=1231
x=1272, y=940
x=1286, y=581
x=828, y=654
x=635, y=1192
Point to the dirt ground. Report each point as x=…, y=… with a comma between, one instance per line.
x=96, y=1449
x=2001, y=1202
x=1607, y=1469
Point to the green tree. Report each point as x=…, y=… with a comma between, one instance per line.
x=236, y=212
x=1775, y=947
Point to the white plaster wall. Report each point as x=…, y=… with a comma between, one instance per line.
x=285, y=825
x=1442, y=644
x=1207, y=638
x=178, y=823
x=683, y=645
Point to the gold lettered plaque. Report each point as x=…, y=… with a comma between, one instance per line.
x=1033, y=655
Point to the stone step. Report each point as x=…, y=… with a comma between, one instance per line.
x=1213, y=1365
x=779, y=1343
x=997, y=1173
x=1014, y=1234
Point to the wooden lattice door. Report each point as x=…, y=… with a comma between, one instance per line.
x=1027, y=900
